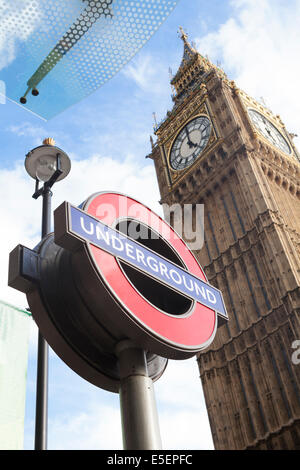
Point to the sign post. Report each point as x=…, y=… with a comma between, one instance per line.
x=140, y=427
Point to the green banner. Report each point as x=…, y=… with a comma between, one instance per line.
x=14, y=336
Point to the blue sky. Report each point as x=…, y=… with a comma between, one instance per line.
x=107, y=137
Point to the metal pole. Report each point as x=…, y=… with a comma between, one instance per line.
x=46, y=211
x=41, y=411
x=140, y=427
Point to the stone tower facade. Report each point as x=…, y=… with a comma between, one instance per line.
x=221, y=148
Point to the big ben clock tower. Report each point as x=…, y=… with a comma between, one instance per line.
x=221, y=148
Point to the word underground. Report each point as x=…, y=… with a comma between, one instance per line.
x=92, y=230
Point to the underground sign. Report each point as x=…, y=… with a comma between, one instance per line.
x=114, y=270
x=150, y=285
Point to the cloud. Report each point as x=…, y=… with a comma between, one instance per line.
x=99, y=173
x=185, y=429
x=26, y=129
x=258, y=47
x=18, y=21
x=181, y=407
x=148, y=72
x=97, y=428
x=34, y=134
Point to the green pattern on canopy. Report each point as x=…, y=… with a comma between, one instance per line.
x=53, y=53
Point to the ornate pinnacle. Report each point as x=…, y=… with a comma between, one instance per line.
x=184, y=35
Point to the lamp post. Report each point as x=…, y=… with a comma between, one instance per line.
x=46, y=164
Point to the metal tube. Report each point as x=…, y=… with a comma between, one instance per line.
x=140, y=427
x=41, y=411
x=46, y=211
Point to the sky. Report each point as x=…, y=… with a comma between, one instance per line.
x=107, y=136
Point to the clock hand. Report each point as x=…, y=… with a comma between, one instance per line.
x=270, y=134
x=190, y=143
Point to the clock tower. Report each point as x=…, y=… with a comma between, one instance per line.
x=221, y=148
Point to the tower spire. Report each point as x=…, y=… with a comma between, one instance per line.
x=184, y=35
x=191, y=70
x=188, y=51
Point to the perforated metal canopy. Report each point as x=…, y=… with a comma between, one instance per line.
x=53, y=53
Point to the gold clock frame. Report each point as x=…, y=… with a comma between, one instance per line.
x=176, y=175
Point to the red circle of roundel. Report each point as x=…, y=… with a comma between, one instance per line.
x=194, y=331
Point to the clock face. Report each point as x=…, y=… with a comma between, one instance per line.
x=190, y=142
x=269, y=131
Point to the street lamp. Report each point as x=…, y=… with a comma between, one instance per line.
x=46, y=164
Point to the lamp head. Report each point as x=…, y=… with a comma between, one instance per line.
x=41, y=162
